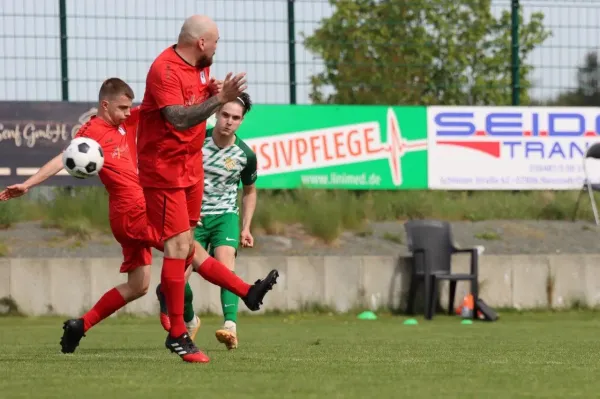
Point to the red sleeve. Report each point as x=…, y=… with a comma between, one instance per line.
x=130, y=126
x=84, y=131
x=131, y=122
x=165, y=86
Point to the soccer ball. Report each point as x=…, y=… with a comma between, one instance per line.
x=83, y=158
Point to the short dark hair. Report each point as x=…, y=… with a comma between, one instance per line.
x=114, y=87
x=245, y=101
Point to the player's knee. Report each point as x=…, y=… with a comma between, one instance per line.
x=139, y=289
x=143, y=288
x=138, y=282
x=226, y=255
x=178, y=246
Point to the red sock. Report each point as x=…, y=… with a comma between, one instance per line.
x=172, y=280
x=217, y=273
x=190, y=258
x=110, y=302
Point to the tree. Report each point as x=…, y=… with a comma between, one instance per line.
x=426, y=52
x=587, y=92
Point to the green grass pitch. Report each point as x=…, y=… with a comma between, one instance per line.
x=535, y=355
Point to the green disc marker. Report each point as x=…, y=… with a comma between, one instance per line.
x=466, y=321
x=410, y=322
x=367, y=315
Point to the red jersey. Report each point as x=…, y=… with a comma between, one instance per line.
x=168, y=158
x=119, y=173
x=131, y=127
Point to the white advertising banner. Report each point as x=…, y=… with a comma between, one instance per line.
x=511, y=148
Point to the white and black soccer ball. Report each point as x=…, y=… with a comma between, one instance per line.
x=83, y=158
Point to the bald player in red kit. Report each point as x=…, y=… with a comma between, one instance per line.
x=114, y=129
x=180, y=96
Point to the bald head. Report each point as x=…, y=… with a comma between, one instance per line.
x=197, y=41
x=195, y=28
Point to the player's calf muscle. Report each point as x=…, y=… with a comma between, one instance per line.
x=199, y=256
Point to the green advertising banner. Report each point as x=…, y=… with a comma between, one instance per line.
x=333, y=146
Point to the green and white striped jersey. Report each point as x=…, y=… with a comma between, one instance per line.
x=224, y=168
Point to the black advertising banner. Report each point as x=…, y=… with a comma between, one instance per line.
x=32, y=133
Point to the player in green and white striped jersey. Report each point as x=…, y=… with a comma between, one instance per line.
x=227, y=162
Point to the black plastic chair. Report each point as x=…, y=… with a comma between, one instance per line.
x=430, y=242
x=594, y=153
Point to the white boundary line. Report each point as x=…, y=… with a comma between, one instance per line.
x=33, y=171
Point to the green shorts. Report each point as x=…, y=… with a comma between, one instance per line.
x=218, y=230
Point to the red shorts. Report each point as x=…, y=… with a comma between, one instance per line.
x=173, y=211
x=132, y=231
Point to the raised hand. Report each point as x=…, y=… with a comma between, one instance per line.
x=232, y=87
x=215, y=86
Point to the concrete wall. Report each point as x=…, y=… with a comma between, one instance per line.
x=69, y=286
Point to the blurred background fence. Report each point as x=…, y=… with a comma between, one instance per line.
x=304, y=51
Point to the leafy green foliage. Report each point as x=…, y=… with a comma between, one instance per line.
x=587, y=92
x=450, y=52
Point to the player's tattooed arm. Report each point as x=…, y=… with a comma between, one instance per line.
x=183, y=118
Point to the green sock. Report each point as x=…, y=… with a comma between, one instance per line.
x=229, y=303
x=188, y=307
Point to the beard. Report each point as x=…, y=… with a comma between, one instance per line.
x=204, y=62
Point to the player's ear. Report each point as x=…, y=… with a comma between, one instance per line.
x=104, y=104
